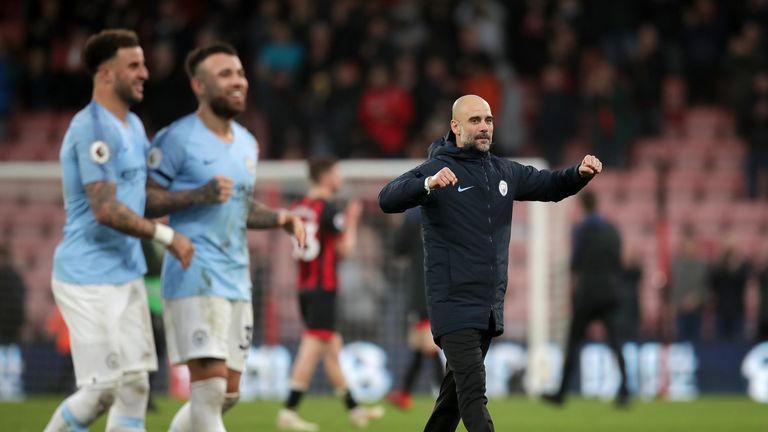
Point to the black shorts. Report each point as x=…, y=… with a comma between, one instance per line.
x=318, y=309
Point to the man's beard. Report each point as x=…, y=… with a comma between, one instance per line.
x=222, y=108
x=125, y=93
x=474, y=143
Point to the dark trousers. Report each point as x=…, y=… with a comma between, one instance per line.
x=583, y=314
x=462, y=394
x=688, y=326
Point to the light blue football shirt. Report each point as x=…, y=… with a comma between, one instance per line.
x=186, y=155
x=100, y=147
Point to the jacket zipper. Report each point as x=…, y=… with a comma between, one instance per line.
x=492, y=263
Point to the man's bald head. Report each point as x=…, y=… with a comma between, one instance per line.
x=465, y=102
x=472, y=122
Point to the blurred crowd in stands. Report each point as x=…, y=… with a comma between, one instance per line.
x=375, y=78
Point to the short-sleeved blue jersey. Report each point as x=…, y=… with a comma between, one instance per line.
x=186, y=155
x=100, y=147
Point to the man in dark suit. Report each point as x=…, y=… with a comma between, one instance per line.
x=597, y=272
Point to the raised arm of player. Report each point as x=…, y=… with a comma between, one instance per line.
x=161, y=201
x=261, y=217
x=348, y=241
x=107, y=210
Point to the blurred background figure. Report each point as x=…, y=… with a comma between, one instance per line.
x=755, y=124
x=728, y=280
x=385, y=113
x=689, y=286
x=597, y=272
x=12, y=307
x=628, y=314
x=557, y=121
x=12, y=296
x=762, y=278
x=57, y=329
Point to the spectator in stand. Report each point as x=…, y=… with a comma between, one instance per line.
x=69, y=85
x=703, y=40
x=488, y=18
x=409, y=29
x=36, y=80
x=511, y=113
x=376, y=45
x=744, y=59
x=646, y=69
x=282, y=53
x=340, y=113
x=728, y=279
x=478, y=78
x=530, y=37
x=169, y=89
x=689, y=286
x=673, y=103
x=436, y=86
x=280, y=92
x=385, y=112
x=606, y=107
x=6, y=88
x=756, y=132
x=557, y=120
x=563, y=48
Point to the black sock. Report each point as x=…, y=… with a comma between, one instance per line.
x=439, y=369
x=349, y=401
x=293, y=399
x=412, y=372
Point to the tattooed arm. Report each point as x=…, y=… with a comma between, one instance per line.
x=108, y=211
x=261, y=217
x=161, y=202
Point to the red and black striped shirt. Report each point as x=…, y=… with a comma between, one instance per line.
x=317, y=261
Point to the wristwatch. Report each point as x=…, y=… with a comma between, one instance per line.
x=426, y=185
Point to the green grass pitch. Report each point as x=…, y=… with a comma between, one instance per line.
x=711, y=413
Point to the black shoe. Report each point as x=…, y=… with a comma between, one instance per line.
x=622, y=401
x=553, y=399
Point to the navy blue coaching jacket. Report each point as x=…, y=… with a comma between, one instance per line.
x=466, y=228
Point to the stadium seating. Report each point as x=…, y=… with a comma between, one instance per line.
x=704, y=188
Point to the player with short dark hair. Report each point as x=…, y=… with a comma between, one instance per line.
x=98, y=267
x=331, y=235
x=202, y=173
x=197, y=56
